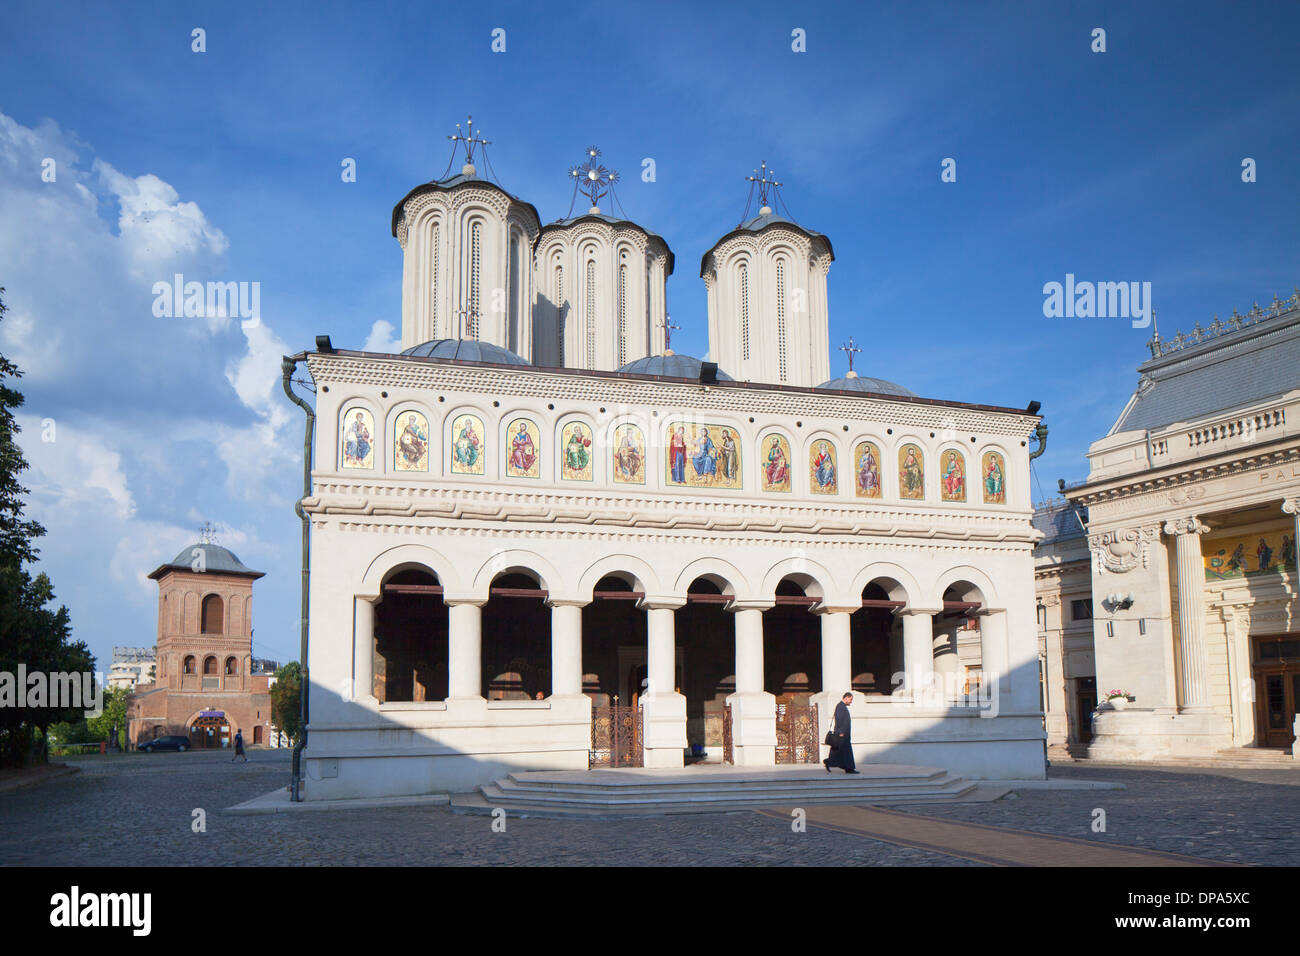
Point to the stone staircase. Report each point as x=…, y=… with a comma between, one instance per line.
x=1236, y=758
x=713, y=789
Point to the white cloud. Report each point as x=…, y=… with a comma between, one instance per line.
x=382, y=338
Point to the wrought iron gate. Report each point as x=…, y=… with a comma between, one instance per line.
x=727, y=754
x=616, y=736
x=797, y=738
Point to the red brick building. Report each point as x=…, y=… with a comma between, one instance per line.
x=204, y=687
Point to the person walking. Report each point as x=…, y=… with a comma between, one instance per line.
x=842, y=749
x=239, y=747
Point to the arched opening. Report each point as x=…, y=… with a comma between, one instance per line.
x=209, y=666
x=213, y=615
x=876, y=639
x=958, y=657
x=232, y=667
x=188, y=666
x=792, y=653
x=209, y=732
x=516, y=656
x=706, y=665
x=614, y=643
x=410, y=662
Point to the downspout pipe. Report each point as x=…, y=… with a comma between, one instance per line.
x=1041, y=434
x=287, y=367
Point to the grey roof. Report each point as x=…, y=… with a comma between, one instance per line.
x=671, y=366
x=451, y=182
x=1060, y=522
x=216, y=560
x=613, y=221
x=864, y=383
x=758, y=224
x=1252, y=364
x=465, y=350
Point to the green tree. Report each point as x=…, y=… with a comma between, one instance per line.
x=114, y=716
x=286, y=700
x=30, y=632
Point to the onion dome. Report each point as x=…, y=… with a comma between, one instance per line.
x=213, y=560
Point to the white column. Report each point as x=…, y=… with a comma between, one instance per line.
x=663, y=709
x=1194, y=672
x=753, y=711
x=363, y=649
x=918, y=650
x=993, y=652
x=566, y=648
x=465, y=649
x=837, y=662
x=1292, y=507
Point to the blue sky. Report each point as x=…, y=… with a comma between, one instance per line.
x=1123, y=165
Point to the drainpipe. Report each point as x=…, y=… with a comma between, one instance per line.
x=287, y=366
x=1041, y=434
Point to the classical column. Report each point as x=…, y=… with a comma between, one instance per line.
x=663, y=709
x=993, y=652
x=566, y=647
x=363, y=649
x=1292, y=507
x=753, y=710
x=837, y=662
x=918, y=650
x=1194, y=672
x=465, y=648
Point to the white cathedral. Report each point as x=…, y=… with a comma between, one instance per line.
x=540, y=539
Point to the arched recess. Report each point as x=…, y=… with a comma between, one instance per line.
x=635, y=571
x=900, y=586
x=408, y=556
x=813, y=579
x=516, y=561
x=516, y=654
x=973, y=585
x=960, y=655
x=722, y=573
x=213, y=615
x=410, y=647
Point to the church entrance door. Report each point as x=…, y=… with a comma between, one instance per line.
x=209, y=733
x=1277, y=681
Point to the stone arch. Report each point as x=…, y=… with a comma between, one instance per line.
x=896, y=580
x=722, y=573
x=980, y=586
x=516, y=560
x=815, y=579
x=407, y=557
x=634, y=570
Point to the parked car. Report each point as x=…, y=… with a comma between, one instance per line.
x=181, y=744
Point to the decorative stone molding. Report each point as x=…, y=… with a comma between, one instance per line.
x=1187, y=525
x=1292, y=506
x=1123, y=550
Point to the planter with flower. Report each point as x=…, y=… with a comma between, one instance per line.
x=1118, y=699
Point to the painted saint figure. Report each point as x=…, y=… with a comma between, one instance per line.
x=911, y=478
x=777, y=469
x=627, y=456
x=868, y=474
x=727, y=456
x=523, y=452
x=993, y=479
x=824, y=468
x=1265, y=555
x=356, y=447
x=705, y=459
x=468, y=446
x=412, y=445
x=954, y=478
x=677, y=455
x=576, y=456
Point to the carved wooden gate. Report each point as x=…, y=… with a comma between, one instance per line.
x=797, y=739
x=616, y=736
x=727, y=753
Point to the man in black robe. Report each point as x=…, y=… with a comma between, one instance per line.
x=842, y=749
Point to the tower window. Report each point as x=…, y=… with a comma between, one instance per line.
x=475, y=276
x=622, y=315
x=433, y=281
x=780, y=319
x=559, y=314
x=743, y=293
x=591, y=313
x=212, y=615
x=512, y=342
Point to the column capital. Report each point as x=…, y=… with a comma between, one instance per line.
x=911, y=611
x=836, y=608
x=370, y=597
x=661, y=602
x=1190, y=524
x=566, y=602
x=750, y=604
x=1292, y=506
x=457, y=600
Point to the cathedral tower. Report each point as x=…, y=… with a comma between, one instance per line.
x=766, y=282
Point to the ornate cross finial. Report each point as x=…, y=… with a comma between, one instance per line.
x=208, y=534
x=593, y=178
x=471, y=137
x=764, y=184
x=667, y=326
x=850, y=348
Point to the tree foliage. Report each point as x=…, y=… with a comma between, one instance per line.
x=31, y=633
x=286, y=700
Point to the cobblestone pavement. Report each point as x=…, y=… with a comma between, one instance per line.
x=1237, y=816
x=137, y=810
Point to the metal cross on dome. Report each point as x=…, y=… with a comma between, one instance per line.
x=667, y=326
x=592, y=177
x=764, y=184
x=851, y=348
x=208, y=534
x=471, y=137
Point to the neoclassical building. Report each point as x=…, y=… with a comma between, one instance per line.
x=534, y=517
x=1171, y=572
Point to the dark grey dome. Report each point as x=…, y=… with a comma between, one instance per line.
x=863, y=383
x=216, y=559
x=671, y=366
x=465, y=350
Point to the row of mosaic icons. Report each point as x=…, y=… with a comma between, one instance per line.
x=699, y=456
